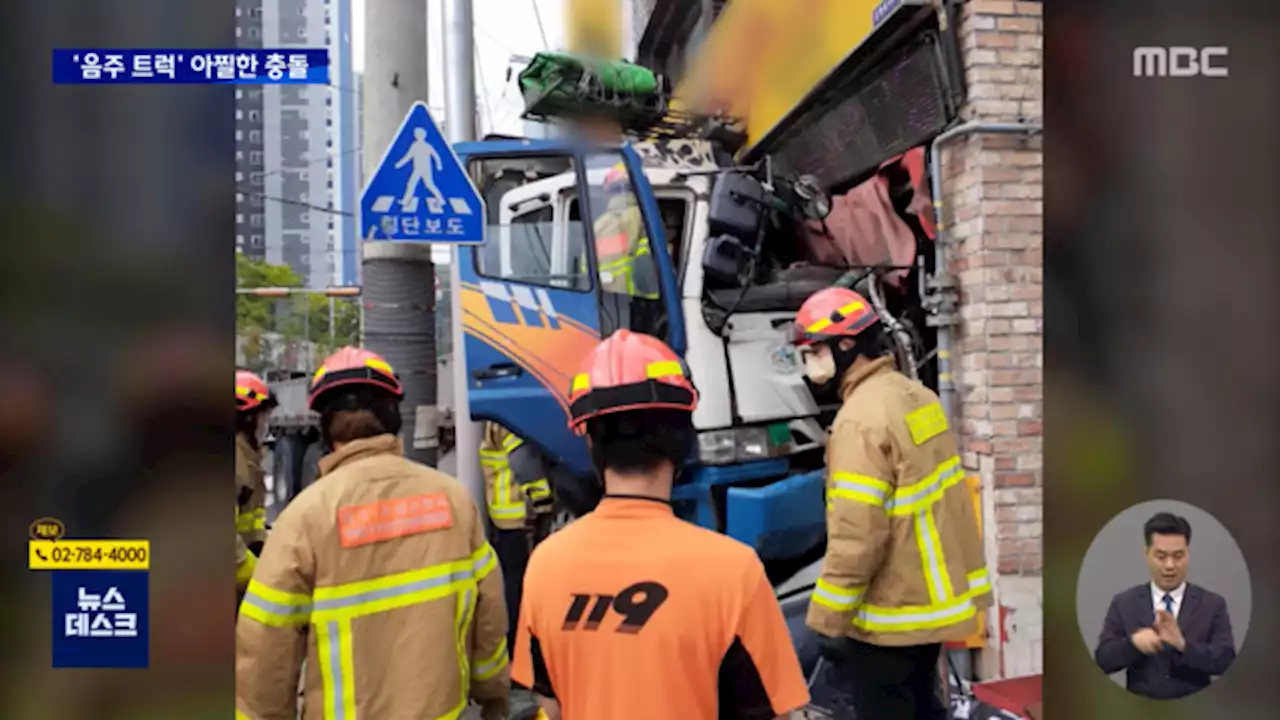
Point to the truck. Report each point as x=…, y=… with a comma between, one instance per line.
x=292, y=443
x=726, y=274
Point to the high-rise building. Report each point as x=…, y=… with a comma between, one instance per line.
x=250, y=162
x=296, y=154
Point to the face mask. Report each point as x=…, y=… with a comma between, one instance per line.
x=820, y=369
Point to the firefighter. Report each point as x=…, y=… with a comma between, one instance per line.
x=378, y=575
x=904, y=569
x=630, y=612
x=519, y=501
x=254, y=401
x=622, y=243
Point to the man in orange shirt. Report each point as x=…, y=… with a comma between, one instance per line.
x=630, y=612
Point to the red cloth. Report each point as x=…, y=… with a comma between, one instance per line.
x=1016, y=695
x=863, y=228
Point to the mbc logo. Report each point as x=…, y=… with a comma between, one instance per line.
x=1179, y=62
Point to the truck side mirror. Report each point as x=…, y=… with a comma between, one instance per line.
x=724, y=258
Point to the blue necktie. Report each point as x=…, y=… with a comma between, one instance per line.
x=1168, y=603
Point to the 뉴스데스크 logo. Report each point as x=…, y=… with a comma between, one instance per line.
x=47, y=528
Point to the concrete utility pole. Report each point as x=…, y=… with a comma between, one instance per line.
x=460, y=124
x=399, y=278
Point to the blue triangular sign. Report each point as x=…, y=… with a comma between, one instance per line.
x=420, y=191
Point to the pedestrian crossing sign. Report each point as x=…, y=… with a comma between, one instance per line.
x=420, y=191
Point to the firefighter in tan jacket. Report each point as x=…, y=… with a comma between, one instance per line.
x=254, y=402
x=904, y=569
x=378, y=575
x=518, y=497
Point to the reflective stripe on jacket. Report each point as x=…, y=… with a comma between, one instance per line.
x=251, y=493
x=245, y=561
x=904, y=562
x=621, y=242
x=505, y=489
x=379, y=576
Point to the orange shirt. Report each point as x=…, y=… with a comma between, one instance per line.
x=630, y=612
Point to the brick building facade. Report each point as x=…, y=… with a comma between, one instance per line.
x=993, y=199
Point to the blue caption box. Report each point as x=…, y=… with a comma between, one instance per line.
x=101, y=619
x=234, y=66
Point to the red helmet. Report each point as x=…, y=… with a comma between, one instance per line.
x=629, y=371
x=351, y=366
x=831, y=313
x=252, y=391
x=616, y=180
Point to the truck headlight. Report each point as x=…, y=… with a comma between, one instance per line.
x=735, y=445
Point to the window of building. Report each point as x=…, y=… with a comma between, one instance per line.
x=255, y=33
x=255, y=241
x=237, y=31
x=256, y=201
x=237, y=12
x=239, y=96
x=239, y=135
x=239, y=199
x=254, y=116
x=255, y=220
x=255, y=136
x=305, y=217
x=239, y=218
x=255, y=157
x=255, y=12
x=239, y=176
x=255, y=178
x=239, y=155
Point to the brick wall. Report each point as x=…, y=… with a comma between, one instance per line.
x=993, y=189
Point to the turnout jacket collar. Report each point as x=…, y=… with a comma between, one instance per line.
x=359, y=450
x=853, y=379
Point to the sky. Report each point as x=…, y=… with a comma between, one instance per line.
x=503, y=28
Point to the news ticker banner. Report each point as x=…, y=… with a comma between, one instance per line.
x=236, y=66
x=100, y=599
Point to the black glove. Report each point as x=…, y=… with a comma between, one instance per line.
x=835, y=650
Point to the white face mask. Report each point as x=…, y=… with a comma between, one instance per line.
x=819, y=368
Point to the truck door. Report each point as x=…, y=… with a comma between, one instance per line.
x=531, y=295
x=634, y=271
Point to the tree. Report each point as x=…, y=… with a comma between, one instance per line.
x=346, y=314
x=296, y=317
x=259, y=312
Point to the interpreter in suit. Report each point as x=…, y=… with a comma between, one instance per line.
x=1169, y=636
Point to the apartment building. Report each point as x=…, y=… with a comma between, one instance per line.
x=296, y=146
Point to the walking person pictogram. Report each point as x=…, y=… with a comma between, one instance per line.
x=424, y=158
